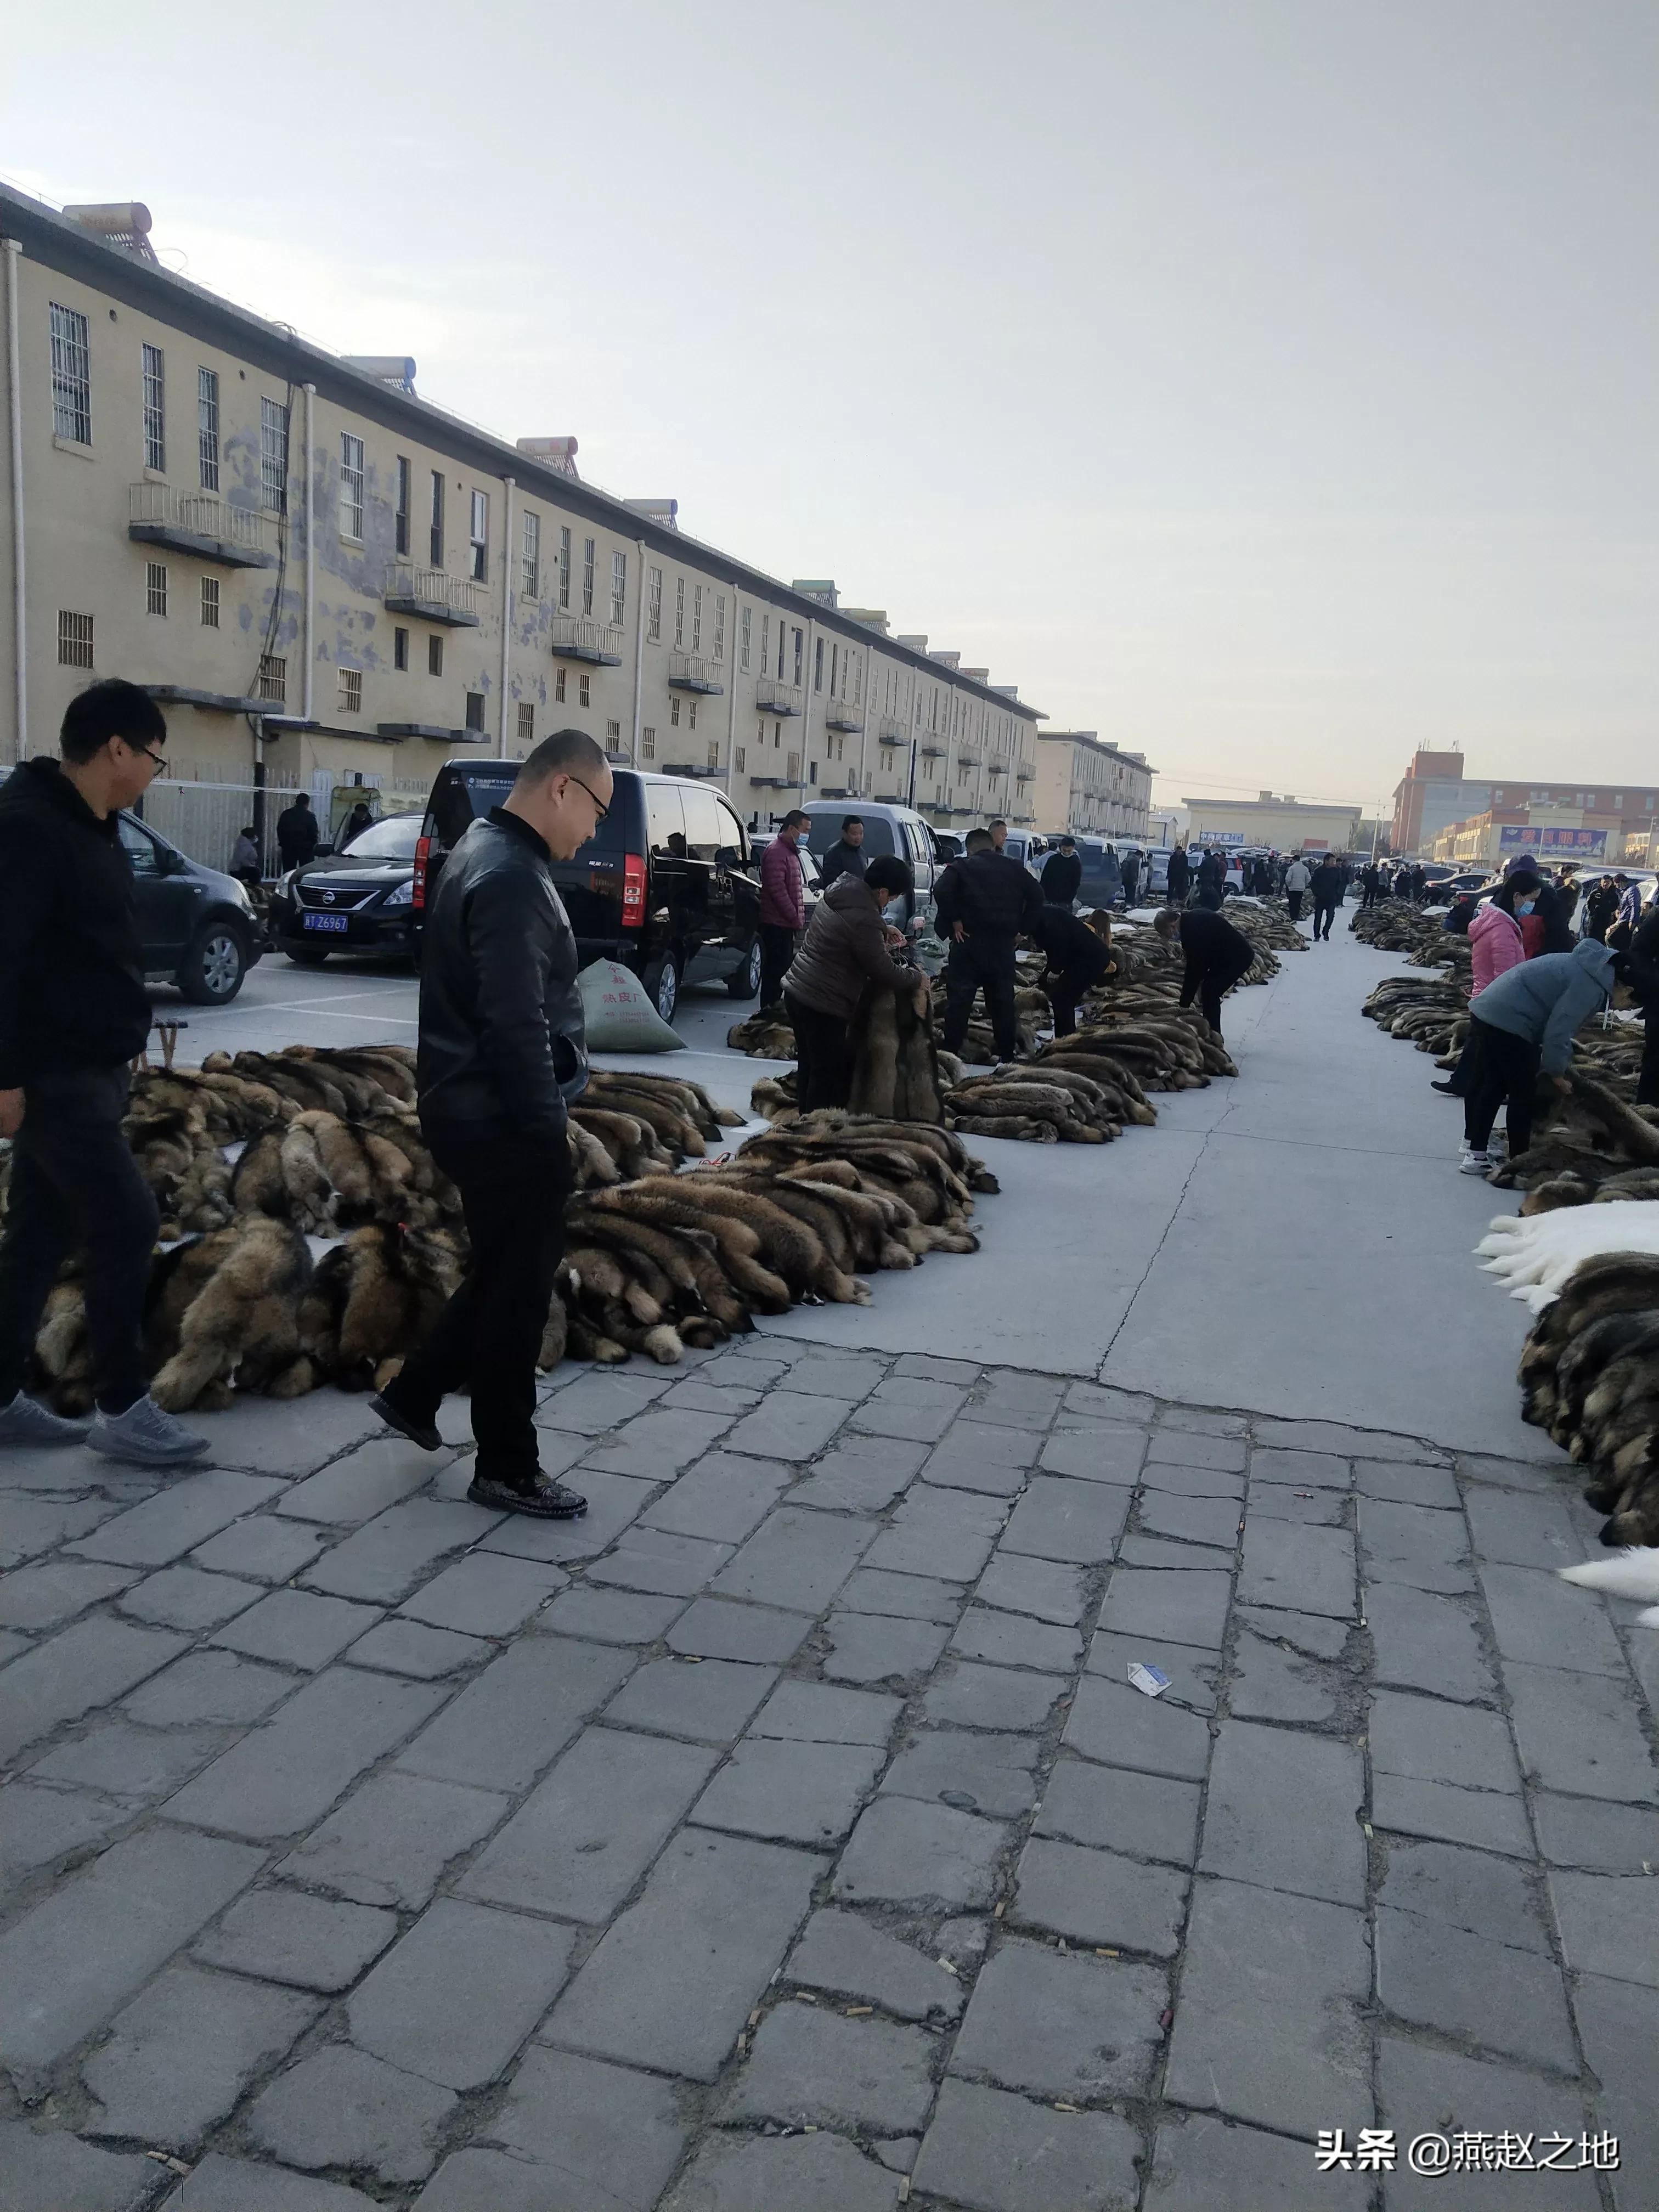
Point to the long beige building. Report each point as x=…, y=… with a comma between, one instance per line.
x=1088, y=785
x=1277, y=824
x=330, y=584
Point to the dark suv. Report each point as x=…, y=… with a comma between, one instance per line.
x=360, y=900
x=197, y=925
x=665, y=885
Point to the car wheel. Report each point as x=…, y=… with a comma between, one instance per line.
x=744, y=981
x=211, y=972
x=307, y=956
x=662, y=982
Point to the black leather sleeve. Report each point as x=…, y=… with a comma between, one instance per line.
x=510, y=944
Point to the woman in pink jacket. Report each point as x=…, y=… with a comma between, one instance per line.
x=1497, y=941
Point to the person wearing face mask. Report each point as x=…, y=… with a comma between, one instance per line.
x=1496, y=944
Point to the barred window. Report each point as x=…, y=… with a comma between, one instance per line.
x=74, y=639
x=475, y=710
x=647, y=742
x=526, y=724
x=155, y=412
x=618, y=589
x=349, y=695
x=155, y=587
x=207, y=427
x=273, y=456
x=434, y=656
x=209, y=603
x=351, y=485
x=273, y=679
x=71, y=381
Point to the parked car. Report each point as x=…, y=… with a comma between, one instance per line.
x=667, y=885
x=947, y=846
x=1154, y=871
x=887, y=829
x=1029, y=849
x=358, y=900
x=1103, y=872
x=198, y=927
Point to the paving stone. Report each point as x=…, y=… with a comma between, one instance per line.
x=58, y=2173
x=1581, y=1733
x=866, y=1647
x=1429, y=1740
x=454, y=1999
x=580, y=2137
x=1094, y=1402
x=1200, y=2164
x=485, y=1595
x=715, y=1628
x=902, y=1597
x=989, y=2152
x=751, y=1363
x=820, y=1712
x=44, y=1596
x=800, y=1793
x=388, y=1556
x=670, y=1566
x=694, y=1396
x=840, y=1953
x=1138, y=1551
x=1314, y=1635
x=1186, y=1448
x=135, y=1765
x=614, y=1502
x=1299, y=1470
x=1192, y=1520
x=789, y=1424
x=1177, y=1608
x=932, y=1369
x=1273, y=1684
x=1255, y=1775
x=308, y=1434
x=1578, y=1831
x=342, y=2107
x=1013, y=1639
x=513, y=1720
x=40, y=1827
x=284, y=1777
x=724, y=1497
x=236, y=2185
x=858, y=1476
x=945, y=1534
x=1315, y=1509
x=1424, y=1642
x=1203, y=1421
x=1467, y=1985
x=1266, y=2027
x=904, y=1850
x=1145, y=1815
x=1192, y=1672
x=966, y=1696
x=1486, y=1818
x=673, y=1979
x=708, y=1700
x=810, y=2066
x=263, y=1548
x=89, y=1664
x=1159, y=1477
x=1096, y=1897
x=1537, y=1618
x=951, y=1468
x=389, y=1843
x=819, y=2172
x=1334, y=1437
x=847, y=1375
x=1079, y=1523
x=1466, y=1889
x=406, y=1647
x=796, y=1559
x=180, y=1597
x=975, y=1772
x=658, y=1444
x=606, y=1616
x=284, y=1935
x=1518, y=1530
x=178, y=1519
x=297, y=1628
x=72, y=1959
x=1414, y=1544
x=1113, y=1723
x=365, y=1482
x=1609, y=1924
x=1619, y=2023
x=982, y=1444
x=180, y=2054
x=213, y=1687
x=907, y=1406
x=1421, y=2090
x=1011, y=1398
x=1062, y=2025
x=1405, y=1484
x=597, y=1402
x=1048, y=1590
x=30, y=1526
x=585, y=1834
x=1311, y=1569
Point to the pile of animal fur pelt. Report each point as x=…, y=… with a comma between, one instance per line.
x=1432, y=1015
x=1395, y=926
x=1174, y=1049
x=1591, y=1145
x=1267, y=924
x=1589, y=1375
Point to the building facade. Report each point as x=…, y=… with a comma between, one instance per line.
x=332, y=585
x=1434, y=795
x=1552, y=834
x=1087, y=784
x=1281, y=825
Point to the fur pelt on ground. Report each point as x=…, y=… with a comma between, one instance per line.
x=894, y=1061
x=1589, y=1375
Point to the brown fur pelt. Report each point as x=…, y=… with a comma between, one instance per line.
x=225, y=1309
x=374, y=1297
x=895, y=1065
x=1589, y=1374
x=764, y=1035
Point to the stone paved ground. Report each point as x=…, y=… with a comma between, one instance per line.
x=786, y=1834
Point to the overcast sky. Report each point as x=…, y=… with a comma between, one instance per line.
x=1266, y=386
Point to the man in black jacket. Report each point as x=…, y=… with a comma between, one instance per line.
x=847, y=856
x=297, y=833
x=1062, y=875
x=1180, y=875
x=1328, y=887
x=1216, y=956
x=1078, y=954
x=1130, y=875
x=1644, y=984
x=501, y=1049
x=1555, y=907
x=73, y=1013
x=1212, y=880
x=982, y=901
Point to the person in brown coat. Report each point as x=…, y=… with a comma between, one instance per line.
x=845, y=949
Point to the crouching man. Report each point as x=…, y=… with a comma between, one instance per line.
x=502, y=1048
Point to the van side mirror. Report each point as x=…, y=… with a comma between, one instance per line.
x=173, y=864
x=727, y=856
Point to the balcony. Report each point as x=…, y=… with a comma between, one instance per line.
x=933, y=751
x=1023, y=775
x=699, y=769
x=970, y=754
x=690, y=671
x=773, y=697
x=202, y=525
x=998, y=768
x=432, y=596
x=841, y=716
x=890, y=730
x=578, y=637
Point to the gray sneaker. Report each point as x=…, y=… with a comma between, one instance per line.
x=145, y=1435
x=26, y=1421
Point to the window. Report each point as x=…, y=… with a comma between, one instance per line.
x=834, y=661
x=526, y=723
x=720, y=625
x=564, y=575
x=155, y=409
x=811, y=771
x=647, y=742
x=139, y=847
x=696, y=619
x=348, y=697
x=74, y=638
x=674, y=711
x=654, y=605
x=800, y=656
x=588, y=551
x=71, y=382
x=766, y=644
x=745, y=637
x=558, y=686
x=679, y=610
x=705, y=823
x=665, y=820
x=817, y=663
x=351, y=486
x=618, y=589
x=400, y=649
x=273, y=456
x=739, y=759
x=434, y=656
x=793, y=769
x=400, y=518
x=692, y=721
x=155, y=587
x=530, y=565
x=480, y=537
x=584, y=689
x=436, y=547
x=273, y=685
x=475, y=710
x=209, y=603
x=613, y=737
x=207, y=427
x=782, y=644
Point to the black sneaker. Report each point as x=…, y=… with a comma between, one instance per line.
x=547, y=1500
x=1448, y=1086
x=423, y=1433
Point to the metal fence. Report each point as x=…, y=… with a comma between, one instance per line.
x=205, y=819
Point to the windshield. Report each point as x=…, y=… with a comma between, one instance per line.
x=391, y=840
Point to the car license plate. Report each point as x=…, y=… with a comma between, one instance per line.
x=326, y=921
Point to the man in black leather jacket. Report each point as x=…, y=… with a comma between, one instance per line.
x=981, y=904
x=501, y=1049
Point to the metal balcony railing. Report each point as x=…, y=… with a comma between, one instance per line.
x=773, y=697
x=580, y=637
x=890, y=730
x=840, y=716
x=433, y=595
x=691, y=672
x=202, y=524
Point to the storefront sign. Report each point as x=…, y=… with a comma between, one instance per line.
x=1580, y=844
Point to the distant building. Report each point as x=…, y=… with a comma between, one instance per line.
x=1552, y=834
x=1088, y=785
x=1434, y=795
x=1281, y=824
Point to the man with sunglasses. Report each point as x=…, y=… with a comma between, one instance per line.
x=502, y=1048
x=73, y=1012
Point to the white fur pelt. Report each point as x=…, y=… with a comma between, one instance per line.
x=1633, y=1573
x=1534, y=1253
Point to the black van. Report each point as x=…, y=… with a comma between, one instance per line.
x=665, y=885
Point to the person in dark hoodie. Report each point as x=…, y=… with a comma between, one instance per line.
x=1179, y=877
x=1329, y=886
x=981, y=904
x=1077, y=954
x=1524, y=1024
x=74, y=1013
x=847, y=856
x=1062, y=876
x=846, y=948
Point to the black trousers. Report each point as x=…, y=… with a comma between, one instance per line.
x=1324, y=911
x=513, y=1194
x=777, y=946
x=1506, y=1068
x=1065, y=987
x=823, y=1059
x=75, y=1183
x=1209, y=986
x=967, y=973
x=1370, y=898
x=1293, y=900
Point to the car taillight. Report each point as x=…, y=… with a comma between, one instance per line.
x=417, y=889
x=633, y=913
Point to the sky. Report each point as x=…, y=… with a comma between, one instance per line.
x=1268, y=387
